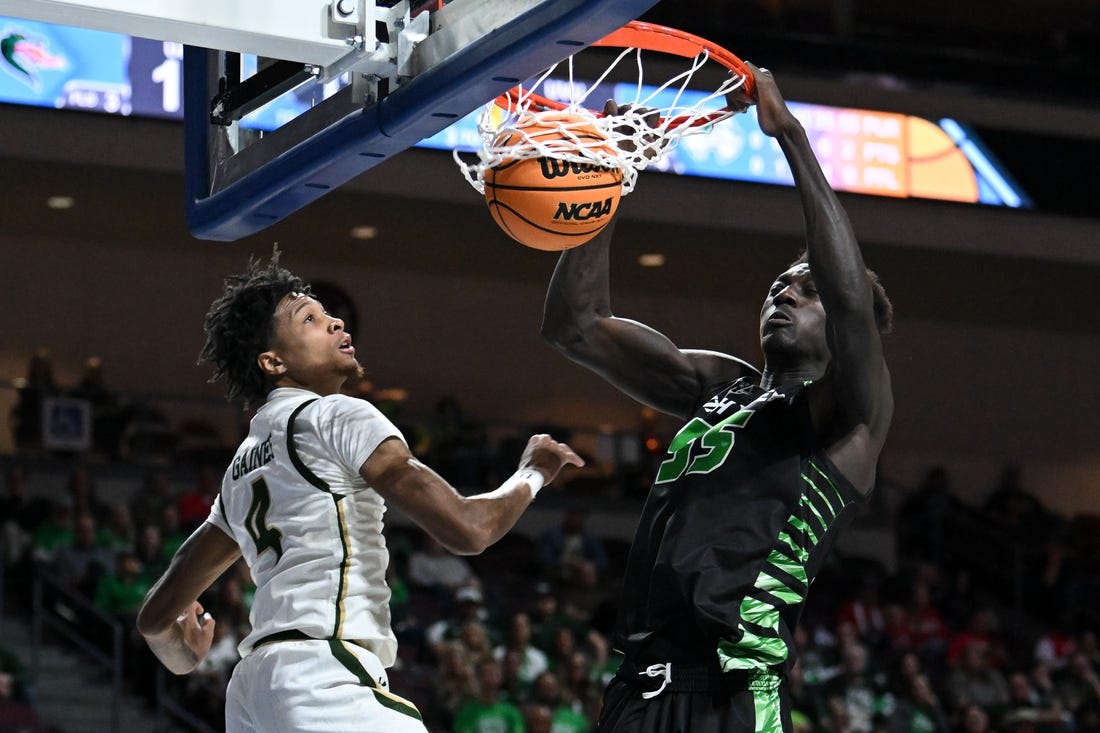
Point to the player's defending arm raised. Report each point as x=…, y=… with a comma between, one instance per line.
x=465, y=525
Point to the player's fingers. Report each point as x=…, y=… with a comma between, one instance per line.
x=569, y=456
x=610, y=108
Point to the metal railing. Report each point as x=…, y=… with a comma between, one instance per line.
x=59, y=609
x=168, y=704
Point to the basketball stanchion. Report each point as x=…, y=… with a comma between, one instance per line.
x=548, y=167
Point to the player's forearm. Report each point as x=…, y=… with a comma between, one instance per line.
x=831, y=245
x=492, y=514
x=579, y=291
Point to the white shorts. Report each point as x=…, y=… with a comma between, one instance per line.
x=315, y=686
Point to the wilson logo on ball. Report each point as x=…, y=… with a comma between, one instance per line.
x=569, y=211
x=553, y=168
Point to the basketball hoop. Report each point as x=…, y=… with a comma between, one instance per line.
x=644, y=127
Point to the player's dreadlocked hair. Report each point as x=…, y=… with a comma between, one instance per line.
x=240, y=325
x=884, y=309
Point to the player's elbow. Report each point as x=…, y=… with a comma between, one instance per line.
x=472, y=540
x=567, y=336
x=152, y=619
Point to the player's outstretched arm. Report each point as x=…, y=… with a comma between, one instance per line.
x=857, y=395
x=465, y=525
x=636, y=359
x=171, y=619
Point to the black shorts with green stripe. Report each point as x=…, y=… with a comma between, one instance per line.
x=684, y=699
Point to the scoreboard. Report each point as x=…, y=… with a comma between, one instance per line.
x=869, y=152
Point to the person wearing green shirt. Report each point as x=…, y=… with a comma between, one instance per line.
x=488, y=713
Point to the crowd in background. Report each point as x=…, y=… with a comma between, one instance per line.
x=986, y=622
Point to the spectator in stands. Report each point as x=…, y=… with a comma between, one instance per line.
x=150, y=551
x=918, y=707
x=16, y=715
x=864, y=613
x=1027, y=705
x=974, y=719
x=982, y=627
x=455, y=680
x=1014, y=507
x=923, y=517
x=154, y=495
x=920, y=627
x=532, y=660
x=118, y=531
x=194, y=504
x=513, y=687
x=468, y=607
x=17, y=522
x=172, y=533
x=80, y=565
x=108, y=421
x=537, y=718
x=584, y=597
x=18, y=680
x=564, y=547
x=432, y=567
x=1057, y=643
x=33, y=390
x=548, y=691
x=53, y=533
x=547, y=619
x=83, y=494
x=488, y=713
x=973, y=681
x=459, y=445
x=861, y=689
x=120, y=593
x=581, y=686
x=1078, y=684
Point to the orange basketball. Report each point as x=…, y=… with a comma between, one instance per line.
x=549, y=203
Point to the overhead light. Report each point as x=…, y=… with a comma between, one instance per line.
x=61, y=202
x=364, y=231
x=651, y=259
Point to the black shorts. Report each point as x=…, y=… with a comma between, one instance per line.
x=754, y=704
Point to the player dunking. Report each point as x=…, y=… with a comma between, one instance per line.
x=759, y=480
x=303, y=501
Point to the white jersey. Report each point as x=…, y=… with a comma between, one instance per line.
x=308, y=525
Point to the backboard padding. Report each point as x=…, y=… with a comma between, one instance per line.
x=354, y=138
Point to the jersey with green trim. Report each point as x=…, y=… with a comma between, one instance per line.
x=739, y=519
x=308, y=525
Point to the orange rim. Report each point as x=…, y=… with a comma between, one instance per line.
x=650, y=37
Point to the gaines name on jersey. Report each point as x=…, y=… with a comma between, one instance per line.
x=249, y=458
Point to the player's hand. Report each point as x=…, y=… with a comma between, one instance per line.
x=738, y=100
x=653, y=142
x=197, y=629
x=548, y=456
x=772, y=113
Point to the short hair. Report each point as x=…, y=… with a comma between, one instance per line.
x=884, y=309
x=240, y=326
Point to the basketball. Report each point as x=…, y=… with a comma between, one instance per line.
x=549, y=203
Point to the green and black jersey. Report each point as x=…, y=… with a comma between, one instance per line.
x=739, y=519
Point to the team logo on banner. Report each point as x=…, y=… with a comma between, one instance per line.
x=23, y=56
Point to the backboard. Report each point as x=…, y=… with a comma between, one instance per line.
x=411, y=71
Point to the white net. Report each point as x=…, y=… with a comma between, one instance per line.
x=633, y=135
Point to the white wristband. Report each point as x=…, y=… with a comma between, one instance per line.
x=530, y=476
